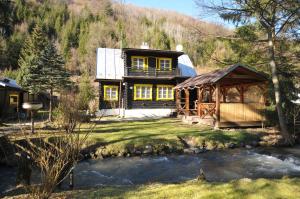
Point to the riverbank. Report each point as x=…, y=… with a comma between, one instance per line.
x=164, y=136
x=244, y=188
x=110, y=137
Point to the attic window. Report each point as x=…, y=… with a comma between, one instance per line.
x=164, y=63
x=110, y=93
x=139, y=63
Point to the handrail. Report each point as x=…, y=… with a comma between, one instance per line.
x=151, y=72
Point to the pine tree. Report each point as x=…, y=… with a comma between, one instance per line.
x=53, y=72
x=29, y=76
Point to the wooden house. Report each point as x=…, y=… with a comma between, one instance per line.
x=11, y=98
x=230, y=97
x=140, y=82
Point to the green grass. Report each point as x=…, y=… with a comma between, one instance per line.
x=121, y=136
x=250, y=189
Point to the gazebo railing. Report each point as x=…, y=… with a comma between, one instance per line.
x=206, y=109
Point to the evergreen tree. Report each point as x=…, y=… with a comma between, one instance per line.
x=86, y=91
x=29, y=76
x=53, y=72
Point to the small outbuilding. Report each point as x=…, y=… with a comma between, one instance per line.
x=230, y=97
x=11, y=98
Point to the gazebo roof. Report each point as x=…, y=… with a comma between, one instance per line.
x=231, y=75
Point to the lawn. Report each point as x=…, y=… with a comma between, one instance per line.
x=119, y=136
x=244, y=188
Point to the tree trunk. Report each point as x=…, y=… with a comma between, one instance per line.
x=32, y=121
x=283, y=127
x=50, y=105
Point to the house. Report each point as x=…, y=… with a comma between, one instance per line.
x=11, y=98
x=139, y=82
x=230, y=97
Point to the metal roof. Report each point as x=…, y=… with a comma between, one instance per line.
x=9, y=83
x=110, y=64
x=215, y=76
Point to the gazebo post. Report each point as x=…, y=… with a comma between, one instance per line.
x=217, y=105
x=177, y=96
x=224, y=94
x=242, y=94
x=199, y=95
x=187, y=102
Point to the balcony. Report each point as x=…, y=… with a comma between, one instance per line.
x=151, y=72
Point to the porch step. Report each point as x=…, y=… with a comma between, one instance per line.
x=197, y=120
x=190, y=119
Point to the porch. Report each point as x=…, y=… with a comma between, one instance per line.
x=232, y=97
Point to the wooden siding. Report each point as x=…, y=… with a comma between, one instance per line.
x=239, y=112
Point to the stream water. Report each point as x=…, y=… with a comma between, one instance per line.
x=217, y=166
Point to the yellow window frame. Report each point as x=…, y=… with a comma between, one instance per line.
x=13, y=103
x=163, y=58
x=145, y=64
x=107, y=98
x=162, y=86
x=140, y=98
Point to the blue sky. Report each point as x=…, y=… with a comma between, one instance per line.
x=187, y=7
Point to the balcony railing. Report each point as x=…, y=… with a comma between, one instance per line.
x=152, y=72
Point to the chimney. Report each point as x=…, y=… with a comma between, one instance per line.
x=179, y=48
x=144, y=45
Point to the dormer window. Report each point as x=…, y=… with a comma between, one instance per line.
x=139, y=63
x=164, y=64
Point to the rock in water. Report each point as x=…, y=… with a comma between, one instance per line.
x=201, y=176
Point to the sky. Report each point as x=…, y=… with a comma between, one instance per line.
x=187, y=7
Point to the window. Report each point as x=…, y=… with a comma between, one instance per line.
x=164, y=63
x=139, y=63
x=165, y=92
x=13, y=99
x=143, y=92
x=110, y=93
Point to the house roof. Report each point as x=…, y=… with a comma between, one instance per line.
x=153, y=51
x=9, y=83
x=110, y=64
x=221, y=74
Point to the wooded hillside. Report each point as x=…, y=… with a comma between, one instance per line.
x=78, y=27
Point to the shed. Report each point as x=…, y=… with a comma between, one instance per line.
x=11, y=98
x=229, y=97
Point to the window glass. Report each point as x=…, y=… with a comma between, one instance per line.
x=165, y=64
x=165, y=92
x=139, y=62
x=110, y=93
x=143, y=92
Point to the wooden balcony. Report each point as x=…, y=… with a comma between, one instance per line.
x=151, y=72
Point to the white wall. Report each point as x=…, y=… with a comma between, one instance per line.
x=137, y=113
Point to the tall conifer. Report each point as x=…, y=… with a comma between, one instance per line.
x=30, y=71
x=53, y=73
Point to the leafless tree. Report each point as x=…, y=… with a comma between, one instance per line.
x=57, y=155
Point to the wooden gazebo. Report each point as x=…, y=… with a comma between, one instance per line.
x=230, y=97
